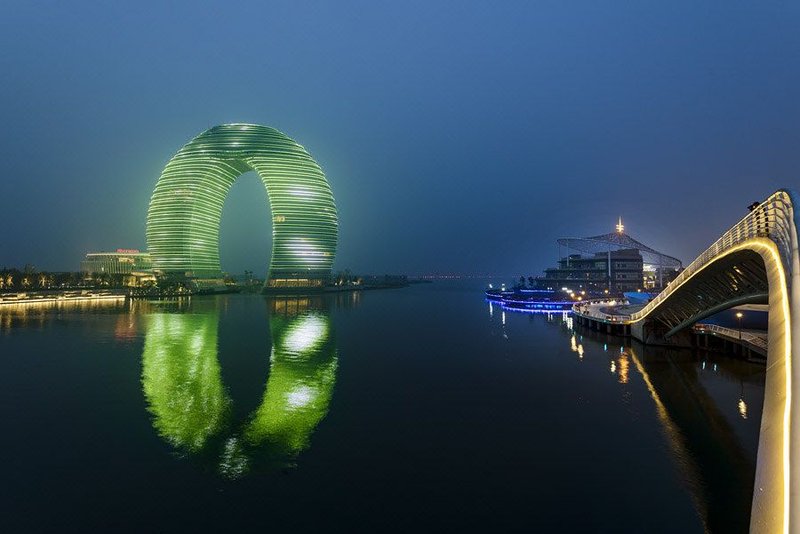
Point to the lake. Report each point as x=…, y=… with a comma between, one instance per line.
x=423, y=408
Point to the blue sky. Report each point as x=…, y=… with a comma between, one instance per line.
x=457, y=136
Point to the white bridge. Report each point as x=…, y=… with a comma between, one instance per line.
x=755, y=261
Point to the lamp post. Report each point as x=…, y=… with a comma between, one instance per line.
x=739, y=318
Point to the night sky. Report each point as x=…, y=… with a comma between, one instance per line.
x=456, y=136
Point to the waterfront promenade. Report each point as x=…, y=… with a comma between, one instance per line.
x=614, y=317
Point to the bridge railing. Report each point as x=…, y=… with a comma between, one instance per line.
x=585, y=308
x=756, y=340
x=771, y=219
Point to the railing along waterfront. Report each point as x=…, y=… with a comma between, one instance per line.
x=759, y=341
x=584, y=308
x=772, y=219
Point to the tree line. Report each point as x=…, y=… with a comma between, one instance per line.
x=29, y=278
x=531, y=283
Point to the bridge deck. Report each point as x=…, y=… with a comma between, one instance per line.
x=756, y=340
x=607, y=311
x=611, y=312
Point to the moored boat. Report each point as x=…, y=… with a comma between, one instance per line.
x=541, y=300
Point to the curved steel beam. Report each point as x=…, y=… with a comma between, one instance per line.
x=756, y=298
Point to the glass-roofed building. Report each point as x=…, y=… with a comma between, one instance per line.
x=122, y=261
x=614, y=262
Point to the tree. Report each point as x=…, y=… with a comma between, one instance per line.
x=100, y=279
x=173, y=281
x=532, y=281
x=343, y=278
x=45, y=280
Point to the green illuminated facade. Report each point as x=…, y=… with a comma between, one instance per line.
x=186, y=208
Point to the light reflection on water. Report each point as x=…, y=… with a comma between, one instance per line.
x=38, y=314
x=441, y=400
x=191, y=406
x=699, y=398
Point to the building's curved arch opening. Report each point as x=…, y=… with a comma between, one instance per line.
x=186, y=208
x=245, y=234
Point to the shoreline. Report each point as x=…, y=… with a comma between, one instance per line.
x=57, y=296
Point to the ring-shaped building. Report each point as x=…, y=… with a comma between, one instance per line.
x=185, y=211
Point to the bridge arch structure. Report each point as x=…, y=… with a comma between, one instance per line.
x=186, y=207
x=755, y=261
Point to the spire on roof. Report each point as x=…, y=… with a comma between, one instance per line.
x=620, y=226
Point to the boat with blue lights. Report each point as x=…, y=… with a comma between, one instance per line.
x=497, y=295
x=531, y=300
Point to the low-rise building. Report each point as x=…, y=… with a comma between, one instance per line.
x=135, y=267
x=594, y=273
x=613, y=262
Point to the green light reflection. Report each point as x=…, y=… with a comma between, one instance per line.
x=191, y=407
x=302, y=374
x=181, y=378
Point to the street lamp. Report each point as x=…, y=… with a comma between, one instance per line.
x=739, y=318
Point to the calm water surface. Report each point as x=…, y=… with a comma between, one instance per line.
x=423, y=408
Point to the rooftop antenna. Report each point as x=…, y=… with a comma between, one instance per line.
x=620, y=226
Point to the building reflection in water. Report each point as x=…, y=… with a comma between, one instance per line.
x=38, y=314
x=191, y=407
x=714, y=444
x=720, y=471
